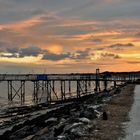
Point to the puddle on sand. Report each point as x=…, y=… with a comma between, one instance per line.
x=133, y=127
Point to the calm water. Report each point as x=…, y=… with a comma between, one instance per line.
x=4, y=94
x=133, y=127
x=29, y=92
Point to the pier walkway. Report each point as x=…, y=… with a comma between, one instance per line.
x=48, y=84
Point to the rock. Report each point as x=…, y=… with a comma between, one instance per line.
x=44, y=137
x=62, y=120
x=51, y=121
x=58, y=130
x=62, y=138
x=42, y=131
x=117, y=91
x=98, y=114
x=106, y=100
x=84, y=120
x=29, y=137
x=105, y=116
x=76, y=124
x=79, y=131
x=68, y=128
x=90, y=114
x=95, y=107
x=21, y=133
x=106, y=94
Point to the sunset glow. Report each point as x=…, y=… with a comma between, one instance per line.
x=70, y=36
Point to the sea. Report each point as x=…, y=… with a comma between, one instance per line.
x=5, y=105
x=43, y=97
x=16, y=102
x=29, y=90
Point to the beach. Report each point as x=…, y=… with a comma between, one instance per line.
x=80, y=120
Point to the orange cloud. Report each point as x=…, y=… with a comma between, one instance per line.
x=48, y=38
x=22, y=24
x=95, y=34
x=54, y=48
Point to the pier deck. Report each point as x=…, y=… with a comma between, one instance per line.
x=85, y=83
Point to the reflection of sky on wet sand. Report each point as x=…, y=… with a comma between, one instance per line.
x=133, y=127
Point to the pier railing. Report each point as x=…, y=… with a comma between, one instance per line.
x=83, y=84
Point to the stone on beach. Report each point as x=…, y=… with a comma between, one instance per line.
x=84, y=120
x=50, y=121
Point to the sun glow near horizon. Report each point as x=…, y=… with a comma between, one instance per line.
x=78, y=36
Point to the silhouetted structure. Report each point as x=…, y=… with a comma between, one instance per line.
x=86, y=83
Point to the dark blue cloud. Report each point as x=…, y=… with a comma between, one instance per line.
x=56, y=57
x=78, y=55
x=21, y=52
x=30, y=51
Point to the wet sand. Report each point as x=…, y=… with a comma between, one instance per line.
x=133, y=126
x=118, y=111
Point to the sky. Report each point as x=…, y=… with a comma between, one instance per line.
x=69, y=36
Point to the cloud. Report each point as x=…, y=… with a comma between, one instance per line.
x=121, y=46
x=138, y=34
x=35, y=51
x=78, y=55
x=30, y=51
x=123, y=9
x=19, y=15
x=14, y=52
x=9, y=47
x=55, y=57
x=133, y=62
x=54, y=48
x=110, y=55
x=9, y=55
x=97, y=40
x=82, y=54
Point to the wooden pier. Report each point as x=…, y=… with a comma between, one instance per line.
x=85, y=83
